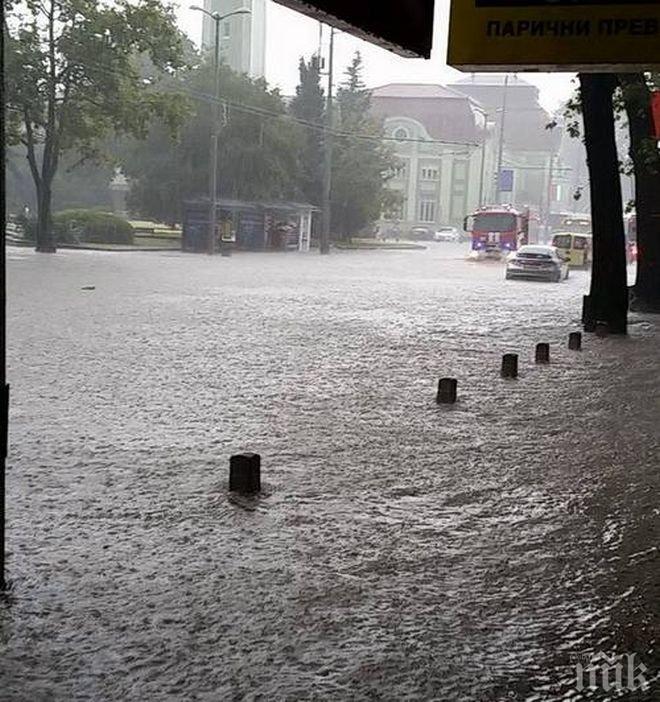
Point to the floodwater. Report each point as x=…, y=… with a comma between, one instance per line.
x=400, y=551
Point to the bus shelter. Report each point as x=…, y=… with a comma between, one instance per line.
x=250, y=226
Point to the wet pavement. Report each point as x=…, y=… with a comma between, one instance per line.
x=400, y=551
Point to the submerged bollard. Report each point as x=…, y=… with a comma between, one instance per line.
x=510, y=365
x=543, y=353
x=245, y=473
x=447, y=391
x=575, y=341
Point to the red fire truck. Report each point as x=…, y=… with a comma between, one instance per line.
x=496, y=230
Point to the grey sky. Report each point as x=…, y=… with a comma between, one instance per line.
x=291, y=35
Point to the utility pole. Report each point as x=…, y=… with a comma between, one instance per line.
x=327, y=162
x=483, y=166
x=215, y=125
x=551, y=175
x=500, y=151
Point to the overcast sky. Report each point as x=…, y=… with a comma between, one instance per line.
x=291, y=35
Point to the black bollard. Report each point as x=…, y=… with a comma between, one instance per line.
x=543, y=353
x=447, y=391
x=245, y=473
x=575, y=341
x=510, y=365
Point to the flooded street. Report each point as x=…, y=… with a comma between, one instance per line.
x=400, y=551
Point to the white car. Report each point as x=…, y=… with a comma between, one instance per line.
x=535, y=262
x=447, y=234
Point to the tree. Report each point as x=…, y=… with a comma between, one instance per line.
x=362, y=162
x=608, y=296
x=308, y=106
x=258, y=147
x=645, y=158
x=73, y=76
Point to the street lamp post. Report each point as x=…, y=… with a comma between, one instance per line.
x=215, y=125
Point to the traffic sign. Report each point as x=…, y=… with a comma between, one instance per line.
x=505, y=184
x=554, y=35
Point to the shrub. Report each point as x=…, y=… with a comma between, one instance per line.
x=74, y=226
x=28, y=226
x=82, y=226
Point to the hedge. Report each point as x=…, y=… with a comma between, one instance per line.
x=85, y=226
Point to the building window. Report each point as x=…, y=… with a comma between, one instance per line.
x=401, y=133
x=226, y=30
x=459, y=189
x=400, y=171
x=427, y=211
x=430, y=173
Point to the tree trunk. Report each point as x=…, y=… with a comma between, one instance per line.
x=45, y=238
x=609, y=283
x=646, y=164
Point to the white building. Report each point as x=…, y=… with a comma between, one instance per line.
x=438, y=136
x=242, y=37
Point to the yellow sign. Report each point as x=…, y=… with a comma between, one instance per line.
x=554, y=35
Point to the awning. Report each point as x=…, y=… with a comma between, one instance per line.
x=402, y=26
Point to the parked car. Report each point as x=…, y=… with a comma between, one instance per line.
x=447, y=234
x=536, y=262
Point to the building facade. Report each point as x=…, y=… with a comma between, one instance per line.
x=242, y=37
x=438, y=137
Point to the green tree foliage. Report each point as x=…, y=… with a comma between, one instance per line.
x=362, y=162
x=308, y=106
x=258, y=148
x=73, y=76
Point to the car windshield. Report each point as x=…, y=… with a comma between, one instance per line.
x=582, y=226
x=494, y=222
x=563, y=241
